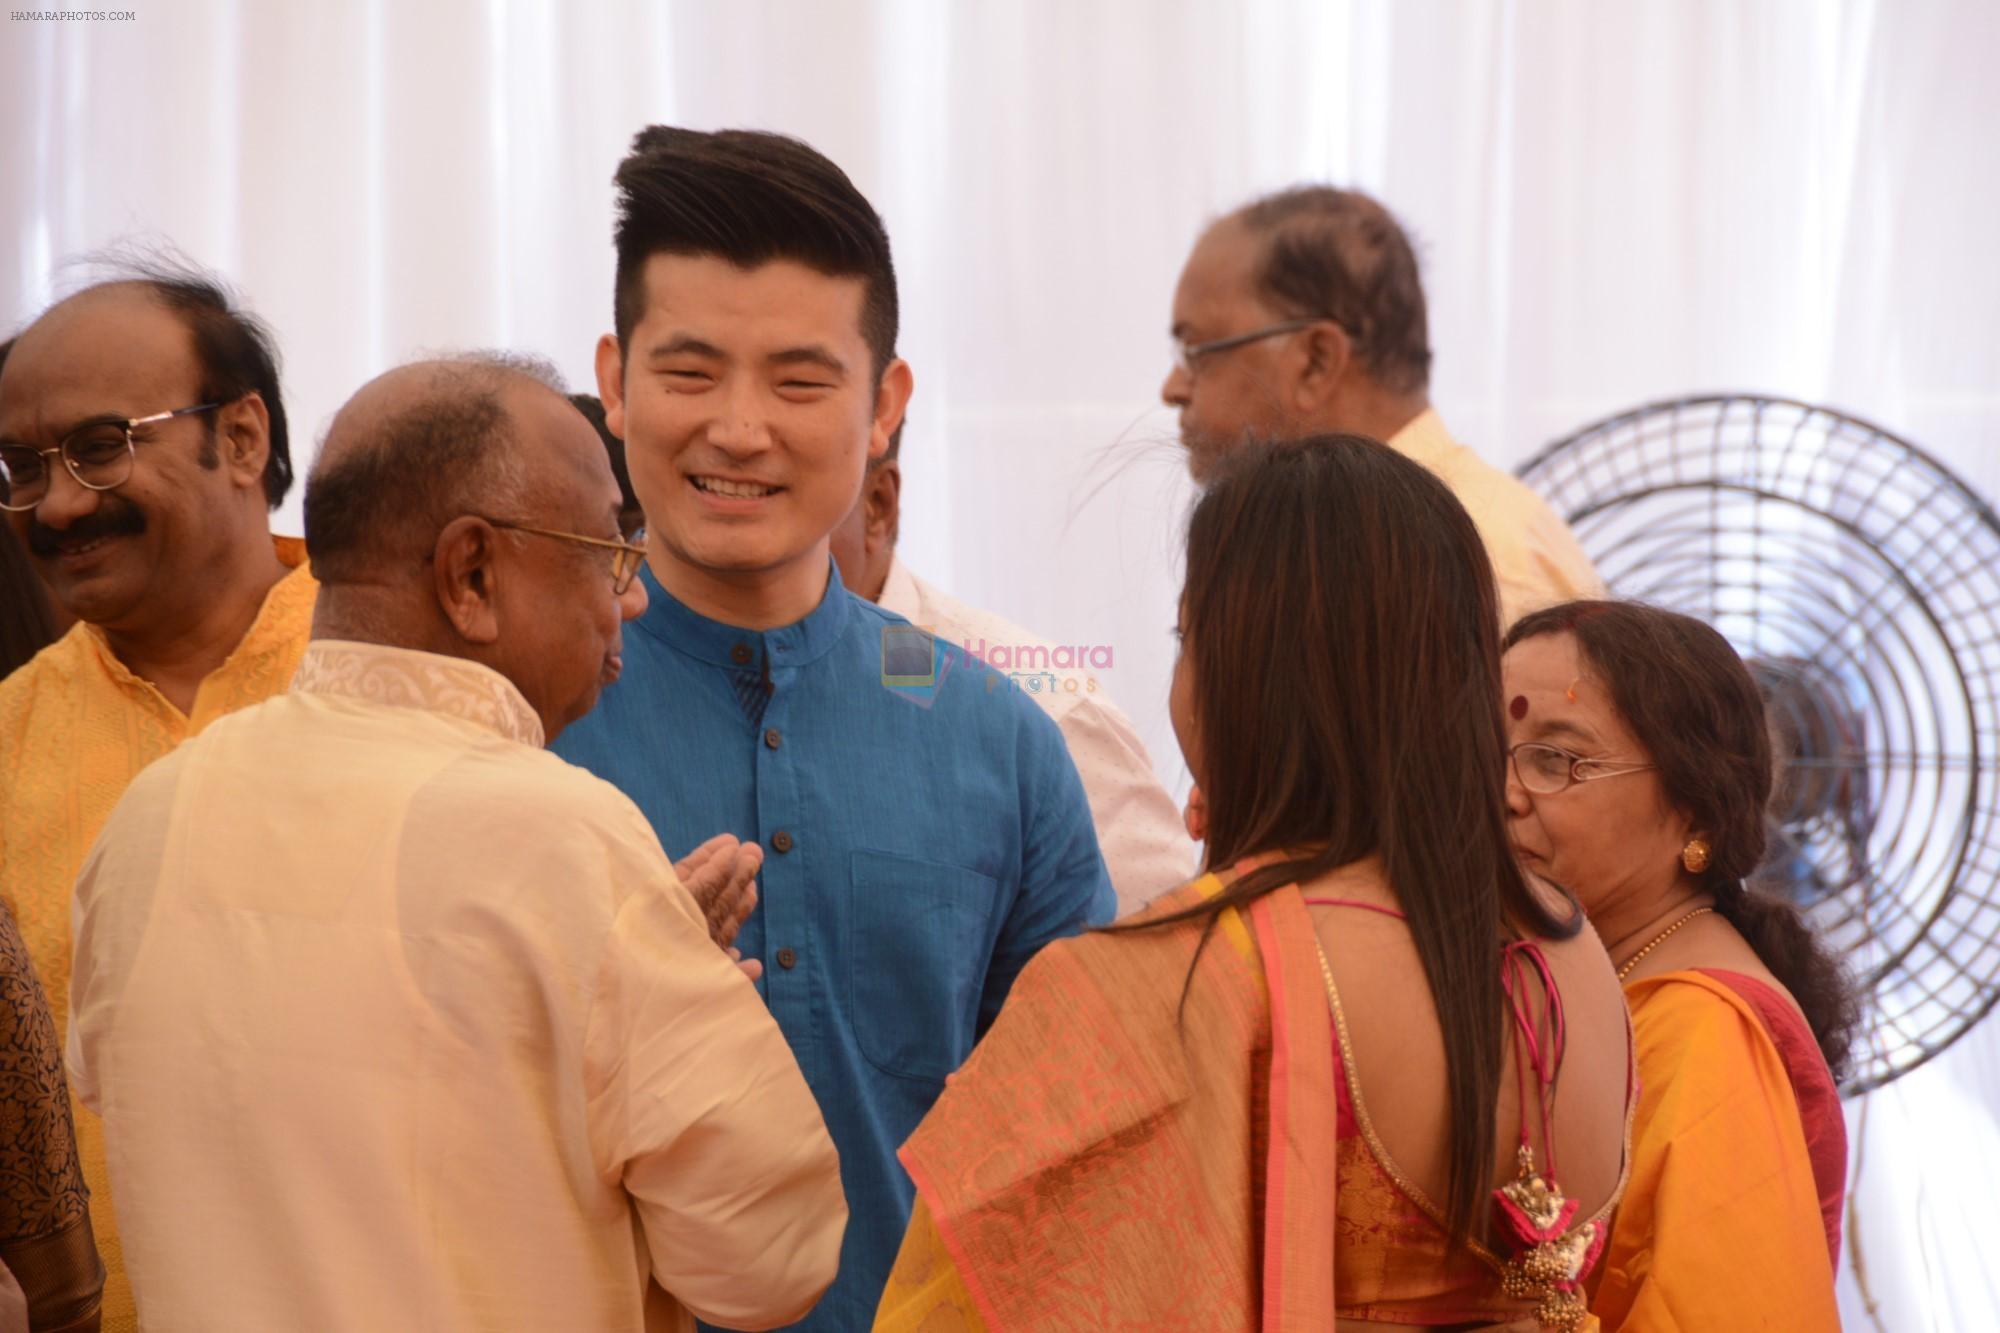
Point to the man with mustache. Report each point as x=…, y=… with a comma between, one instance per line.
x=143, y=444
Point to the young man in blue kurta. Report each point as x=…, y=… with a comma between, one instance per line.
x=924, y=832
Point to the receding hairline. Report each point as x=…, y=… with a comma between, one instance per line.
x=1302, y=202
x=113, y=293
x=143, y=290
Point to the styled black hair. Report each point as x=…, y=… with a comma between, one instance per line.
x=749, y=197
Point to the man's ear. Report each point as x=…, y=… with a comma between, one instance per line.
x=243, y=438
x=882, y=493
x=611, y=383
x=892, y=398
x=467, y=579
x=1325, y=352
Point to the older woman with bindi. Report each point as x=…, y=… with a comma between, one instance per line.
x=1640, y=777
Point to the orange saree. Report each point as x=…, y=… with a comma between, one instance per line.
x=1111, y=1159
x=1077, y=1181
x=1721, y=1225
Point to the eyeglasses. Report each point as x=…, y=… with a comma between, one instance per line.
x=98, y=454
x=1186, y=354
x=1548, y=769
x=626, y=557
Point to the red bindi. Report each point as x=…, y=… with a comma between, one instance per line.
x=1519, y=708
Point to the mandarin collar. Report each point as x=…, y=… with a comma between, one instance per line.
x=673, y=623
x=409, y=678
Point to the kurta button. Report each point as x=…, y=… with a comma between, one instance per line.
x=781, y=841
x=772, y=738
x=787, y=958
x=740, y=654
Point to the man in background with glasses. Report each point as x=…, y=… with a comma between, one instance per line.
x=1302, y=313
x=143, y=444
x=397, y=1020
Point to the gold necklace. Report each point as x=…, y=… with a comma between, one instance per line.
x=1657, y=940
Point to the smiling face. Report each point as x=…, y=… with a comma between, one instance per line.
x=749, y=409
x=1611, y=840
x=134, y=558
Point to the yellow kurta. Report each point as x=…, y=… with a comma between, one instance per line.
x=1720, y=1227
x=1536, y=559
x=75, y=729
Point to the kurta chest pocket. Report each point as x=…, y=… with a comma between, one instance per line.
x=923, y=932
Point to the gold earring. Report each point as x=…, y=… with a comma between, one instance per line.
x=1694, y=856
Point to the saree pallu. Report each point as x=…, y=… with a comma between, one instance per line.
x=1721, y=1225
x=1814, y=1090
x=1111, y=1157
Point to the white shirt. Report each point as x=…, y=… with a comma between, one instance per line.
x=1536, y=559
x=1145, y=845
x=398, y=1021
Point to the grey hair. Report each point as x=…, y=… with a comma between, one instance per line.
x=1340, y=255
x=525, y=364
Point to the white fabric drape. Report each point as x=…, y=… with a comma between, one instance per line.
x=1614, y=203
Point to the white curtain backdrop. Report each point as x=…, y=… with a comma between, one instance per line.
x=1614, y=203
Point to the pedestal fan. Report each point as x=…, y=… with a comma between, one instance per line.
x=1860, y=580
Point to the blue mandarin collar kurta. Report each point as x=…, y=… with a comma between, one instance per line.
x=922, y=839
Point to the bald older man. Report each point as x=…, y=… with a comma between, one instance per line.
x=395, y=1019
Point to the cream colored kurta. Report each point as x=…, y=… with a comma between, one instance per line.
x=1144, y=841
x=1536, y=560
x=397, y=1021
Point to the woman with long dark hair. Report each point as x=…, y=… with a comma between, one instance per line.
x=1641, y=775
x=1361, y=1074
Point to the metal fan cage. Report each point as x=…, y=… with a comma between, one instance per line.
x=1860, y=580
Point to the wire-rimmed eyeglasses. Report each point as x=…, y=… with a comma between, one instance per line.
x=626, y=556
x=1186, y=354
x=1547, y=769
x=98, y=454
